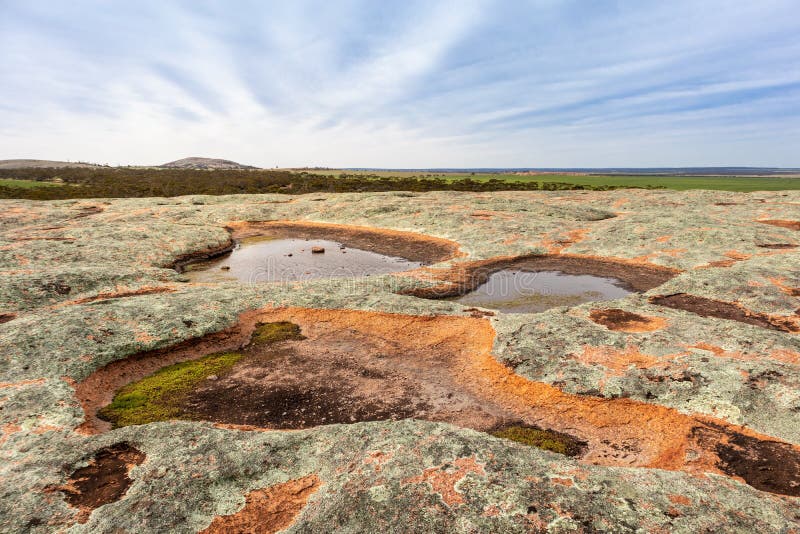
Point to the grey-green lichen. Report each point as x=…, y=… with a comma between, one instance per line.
x=55, y=255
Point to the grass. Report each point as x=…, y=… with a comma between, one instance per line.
x=158, y=397
x=542, y=439
x=274, y=332
x=679, y=183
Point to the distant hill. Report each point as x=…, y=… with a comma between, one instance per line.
x=205, y=163
x=42, y=164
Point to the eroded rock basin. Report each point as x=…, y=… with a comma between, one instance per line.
x=268, y=259
x=283, y=251
x=348, y=366
x=520, y=291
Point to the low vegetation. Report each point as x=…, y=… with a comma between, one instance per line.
x=274, y=332
x=104, y=182
x=127, y=182
x=542, y=439
x=158, y=397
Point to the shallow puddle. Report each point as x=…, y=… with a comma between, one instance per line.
x=518, y=291
x=257, y=260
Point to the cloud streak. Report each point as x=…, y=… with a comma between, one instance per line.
x=403, y=84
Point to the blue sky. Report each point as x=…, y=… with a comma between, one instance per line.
x=537, y=83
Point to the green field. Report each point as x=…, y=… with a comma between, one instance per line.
x=24, y=184
x=678, y=183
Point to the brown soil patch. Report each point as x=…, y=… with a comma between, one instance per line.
x=104, y=480
x=6, y=317
x=85, y=211
x=777, y=246
x=625, y=321
x=766, y=465
x=122, y=294
x=791, y=225
x=465, y=277
x=267, y=510
x=409, y=245
x=727, y=310
x=362, y=366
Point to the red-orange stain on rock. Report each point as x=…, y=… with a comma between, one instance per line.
x=267, y=510
x=444, y=478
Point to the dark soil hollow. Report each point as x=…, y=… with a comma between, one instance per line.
x=341, y=377
x=723, y=310
x=104, y=480
x=6, y=317
x=347, y=366
x=766, y=465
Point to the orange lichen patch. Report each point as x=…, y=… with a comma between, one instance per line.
x=791, y=225
x=780, y=283
x=488, y=214
x=562, y=481
x=616, y=361
x=7, y=430
x=663, y=238
x=625, y=321
x=733, y=257
x=785, y=356
x=118, y=294
x=22, y=383
x=619, y=431
x=445, y=478
x=564, y=240
x=268, y=510
x=679, y=499
x=378, y=458
x=143, y=337
x=718, y=351
x=671, y=252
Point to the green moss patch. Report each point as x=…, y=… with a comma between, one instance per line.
x=548, y=440
x=158, y=396
x=274, y=332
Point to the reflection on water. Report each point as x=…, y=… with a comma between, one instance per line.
x=284, y=260
x=514, y=291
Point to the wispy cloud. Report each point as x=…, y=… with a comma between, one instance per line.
x=360, y=83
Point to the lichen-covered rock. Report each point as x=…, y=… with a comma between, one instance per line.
x=89, y=282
